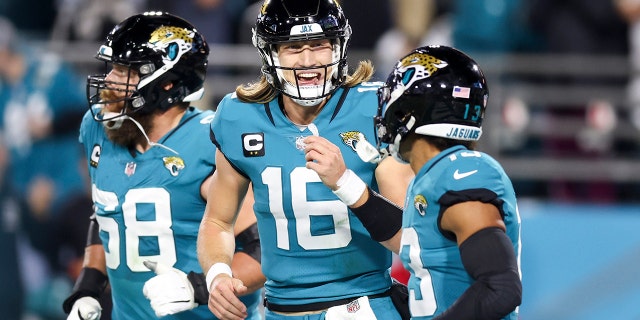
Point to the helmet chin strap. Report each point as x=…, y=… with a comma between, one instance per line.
x=151, y=143
x=118, y=123
x=395, y=147
x=112, y=124
x=308, y=103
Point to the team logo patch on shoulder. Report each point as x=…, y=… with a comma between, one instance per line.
x=351, y=138
x=253, y=144
x=95, y=156
x=173, y=164
x=420, y=203
x=365, y=150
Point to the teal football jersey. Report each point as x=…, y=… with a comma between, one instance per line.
x=149, y=207
x=313, y=248
x=438, y=277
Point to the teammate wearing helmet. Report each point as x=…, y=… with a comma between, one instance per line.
x=150, y=163
x=460, y=236
x=305, y=113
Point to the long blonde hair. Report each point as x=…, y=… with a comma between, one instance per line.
x=262, y=92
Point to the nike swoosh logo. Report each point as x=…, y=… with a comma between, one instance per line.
x=457, y=175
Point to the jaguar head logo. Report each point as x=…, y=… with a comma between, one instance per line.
x=418, y=66
x=351, y=138
x=173, y=164
x=174, y=41
x=420, y=203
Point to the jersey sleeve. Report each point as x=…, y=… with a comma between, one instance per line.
x=217, y=125
x=87, y=134
x=471, y=179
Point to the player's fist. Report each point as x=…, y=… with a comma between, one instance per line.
x=85, y=308
x=170, y=291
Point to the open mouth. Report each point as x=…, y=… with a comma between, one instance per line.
x=308, y=78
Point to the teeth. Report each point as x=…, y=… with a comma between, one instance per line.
x=307, y=75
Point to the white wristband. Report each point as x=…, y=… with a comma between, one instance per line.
x=215, y=270
x=350, y=187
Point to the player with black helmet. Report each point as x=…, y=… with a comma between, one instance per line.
x=460, y=236
x=160, y=49
x=299, y=21
x=284, y=135
x=150, y=163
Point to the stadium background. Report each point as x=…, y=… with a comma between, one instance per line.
x=565, y=126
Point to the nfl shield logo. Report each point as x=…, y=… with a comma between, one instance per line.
x=300, y=145
x=130, y=169
x=353, y=306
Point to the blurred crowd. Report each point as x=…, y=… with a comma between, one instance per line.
x=44, y=197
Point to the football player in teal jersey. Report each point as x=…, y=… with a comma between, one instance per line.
x=460, y=236
x=150, y=163
x=319, y=261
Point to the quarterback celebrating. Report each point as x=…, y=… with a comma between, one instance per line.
x=319, y=261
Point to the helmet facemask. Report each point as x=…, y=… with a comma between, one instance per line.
x=333, y=73
x=111, y=101
x=282, y=22
x=306, y=95
x=391, y=132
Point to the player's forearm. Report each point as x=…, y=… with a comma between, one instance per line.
x=216, y=237
x=216, y=243
x=90, y=283
x=94, y=257
x=215, y=247
x=489, y=258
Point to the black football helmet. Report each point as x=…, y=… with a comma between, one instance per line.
x=162, y=48
x=436, y=91
x=282, y=21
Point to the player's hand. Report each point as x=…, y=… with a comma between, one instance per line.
x=324, y=158
x=85, y=308
x=223, y=298
x=170, y=291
